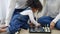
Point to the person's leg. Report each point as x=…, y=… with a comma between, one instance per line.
x=58, y=25
x=15, y=24
x=45, y=20
x=25, y=26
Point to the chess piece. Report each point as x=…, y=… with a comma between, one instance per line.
x=45, y=28
x=41, y=29
x=32, y=29
x=48, y=28
x=36, y=29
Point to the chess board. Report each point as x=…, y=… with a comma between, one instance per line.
x=41, y=29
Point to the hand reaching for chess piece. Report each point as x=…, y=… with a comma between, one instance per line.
x=38, y=25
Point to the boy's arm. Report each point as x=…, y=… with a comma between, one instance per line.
x=32, y=18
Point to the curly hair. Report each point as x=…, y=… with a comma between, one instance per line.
x=34, y=4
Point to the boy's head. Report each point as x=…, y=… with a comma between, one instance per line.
x=34, y=4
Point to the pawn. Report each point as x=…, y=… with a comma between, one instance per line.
x=48, y=28
x=45, y=28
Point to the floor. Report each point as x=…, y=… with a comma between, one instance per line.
x=53, y=31
x=27, y=32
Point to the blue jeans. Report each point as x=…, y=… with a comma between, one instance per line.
x=47, y=20
x=17, y=22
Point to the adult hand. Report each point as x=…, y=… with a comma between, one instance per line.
x=52, y=25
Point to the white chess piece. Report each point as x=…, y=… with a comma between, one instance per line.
x=36, y=29
x=48, y=28
x=45, y=28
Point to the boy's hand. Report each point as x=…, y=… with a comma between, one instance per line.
x=52, y=25
x=38, y=24
x=31, y=24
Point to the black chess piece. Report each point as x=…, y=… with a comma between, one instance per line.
x=39, y=29
x=32, y=29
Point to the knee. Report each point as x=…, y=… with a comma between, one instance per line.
x=58, y=25
x=41, y=18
